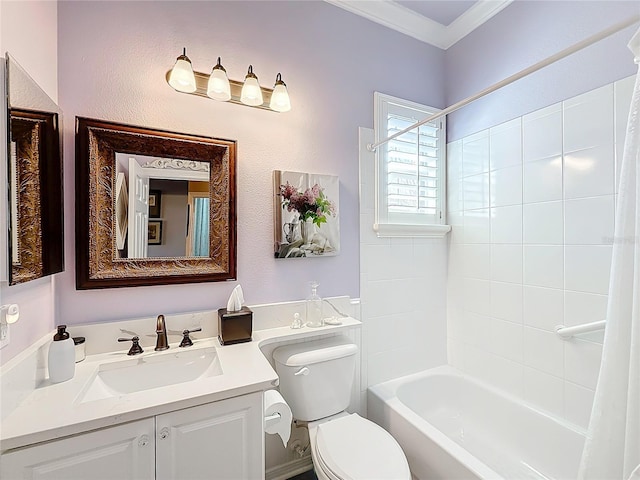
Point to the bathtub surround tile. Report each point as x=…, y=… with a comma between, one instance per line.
x=506, y=374
x=544, y=390
x=582, y=362
x=622, y=93
x=476, y=191
x=477, y=226
x=542, y=133
x=543, y=351
x=506, y=339
x=543, y=266
x=543, y=223
x=543, y=307
x=582, y=308
x=477, y=296
x=505, y=144
x=578, y=402
x=475, y=153
x=587, y=268
x=455, y=195
x=506, y=301
x=588, y=119
x=506, y=186
x=477, y=330
x=589, y=172
x=506, y=224
x=589, y=221
x=506, y=263
x=542, y=180
x=454, y=161
x=476, y=261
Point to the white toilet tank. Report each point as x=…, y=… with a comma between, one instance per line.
x=316, y=377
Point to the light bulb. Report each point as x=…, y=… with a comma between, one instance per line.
x=218, y=87
x=251, y=93
x=280, y=97
x=182, y=78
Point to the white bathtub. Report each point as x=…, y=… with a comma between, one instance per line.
x=452, y=426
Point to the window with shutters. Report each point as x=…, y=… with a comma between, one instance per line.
x=410, y=168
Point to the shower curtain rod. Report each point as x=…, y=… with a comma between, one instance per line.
x=517, y=76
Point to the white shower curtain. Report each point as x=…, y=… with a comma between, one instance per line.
x=612, y=447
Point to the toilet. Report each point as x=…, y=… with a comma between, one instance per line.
x=316, y=378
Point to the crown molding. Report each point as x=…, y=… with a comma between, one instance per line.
x=404, y=20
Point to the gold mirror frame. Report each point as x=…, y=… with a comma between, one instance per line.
x=97, y=264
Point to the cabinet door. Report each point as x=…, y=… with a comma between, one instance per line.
x=221, y=440
x=123, y=452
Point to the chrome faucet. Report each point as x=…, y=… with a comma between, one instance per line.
x=161, y=331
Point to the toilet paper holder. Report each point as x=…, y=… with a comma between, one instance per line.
x=271, y=419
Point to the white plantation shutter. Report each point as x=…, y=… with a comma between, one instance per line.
x=410, y=167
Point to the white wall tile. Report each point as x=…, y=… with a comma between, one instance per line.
x=589, y=173
x=506, y=186
x=588, y=119
x=542, y=180
x=506, y=263
x=506, y=224
x=542, y=223
x=578, y=402
x=582, y=308
x=543, y=266
x=455, y=195
x=475, y=153
x=542, y=133
x=544, y=390
x=476, y=261
x=506, y=374
x=543, y=351
x=505, y=144
x=587, y=268
x=506, y=339
x=477, y=330
x=589, y=221
x=506, y=301
x=477, y=296
x=582, y=362
x=476, y=191
x=543, y=307
x=454, y=161
x=477, y=226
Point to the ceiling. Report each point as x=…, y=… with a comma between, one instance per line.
x=438, y=22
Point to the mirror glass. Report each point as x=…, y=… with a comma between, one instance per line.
x=153, y=207
x=36, y=242
x=174, y=219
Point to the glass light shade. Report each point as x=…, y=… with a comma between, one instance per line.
x=182, y=78
x=251, y=93
x=280, y=98
x=218, y=87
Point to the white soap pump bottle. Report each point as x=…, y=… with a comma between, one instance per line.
x=62, y=356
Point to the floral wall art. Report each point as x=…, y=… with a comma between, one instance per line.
x=306, y=220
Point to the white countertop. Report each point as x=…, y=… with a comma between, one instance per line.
x=53, y=411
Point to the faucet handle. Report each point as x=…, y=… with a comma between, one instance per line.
x=186, y=341
x=135, y=349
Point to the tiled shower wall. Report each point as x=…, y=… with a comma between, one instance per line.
x=531, y=203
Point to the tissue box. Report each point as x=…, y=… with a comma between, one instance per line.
x=235, y=327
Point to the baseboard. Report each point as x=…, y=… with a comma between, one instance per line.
x=289, y=469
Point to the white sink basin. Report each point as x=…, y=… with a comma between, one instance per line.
x=151, y=371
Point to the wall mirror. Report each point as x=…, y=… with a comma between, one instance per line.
x=35, y=226
x=153, y=207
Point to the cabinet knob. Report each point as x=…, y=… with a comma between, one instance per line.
x=164, y=433
x=143, y=441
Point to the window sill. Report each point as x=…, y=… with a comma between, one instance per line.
x=402, y=230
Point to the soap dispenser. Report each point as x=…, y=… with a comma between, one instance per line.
x=314, y=307
x=62, y=356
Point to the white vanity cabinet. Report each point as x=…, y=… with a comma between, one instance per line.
x=220, y=440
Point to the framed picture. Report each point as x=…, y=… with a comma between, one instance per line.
x=155, y=196
x=155, y=232
x=307, y=222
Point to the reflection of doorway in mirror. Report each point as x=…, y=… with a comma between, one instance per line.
x=198, y=227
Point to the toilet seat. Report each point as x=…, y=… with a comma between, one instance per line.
x=353, y=448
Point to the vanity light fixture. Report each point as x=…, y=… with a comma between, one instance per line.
x=218, y=86
x=182, y=77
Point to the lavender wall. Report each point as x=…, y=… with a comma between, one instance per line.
x=28, y=31
x=527, y=32
x=112, y=61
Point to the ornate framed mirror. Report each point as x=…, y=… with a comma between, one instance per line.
x=153, y=207
x=35, y=226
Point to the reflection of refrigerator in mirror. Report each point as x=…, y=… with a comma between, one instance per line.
x=138, y=210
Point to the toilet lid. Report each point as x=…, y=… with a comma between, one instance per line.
x=354, y=448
